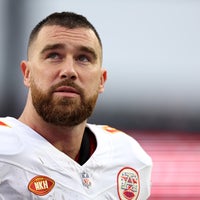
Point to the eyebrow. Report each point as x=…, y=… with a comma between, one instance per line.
x=61, y=46
x=89, y=50
x=50, y=47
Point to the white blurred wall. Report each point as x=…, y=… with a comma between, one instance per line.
x=151, y=52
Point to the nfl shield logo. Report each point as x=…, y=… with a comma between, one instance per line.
x=86, y=179
x=128, y=184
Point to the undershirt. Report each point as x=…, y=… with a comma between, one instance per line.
x=88, y=146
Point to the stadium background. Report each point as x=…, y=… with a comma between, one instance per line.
x=152, y=54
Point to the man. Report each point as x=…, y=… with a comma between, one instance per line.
x=51, y=152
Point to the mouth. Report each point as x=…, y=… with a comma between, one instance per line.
x=67, y=91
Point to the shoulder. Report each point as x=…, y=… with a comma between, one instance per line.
x=121, y=143
x=113, y=133
x=10, y=142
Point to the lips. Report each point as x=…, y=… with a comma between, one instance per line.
x=66, y=90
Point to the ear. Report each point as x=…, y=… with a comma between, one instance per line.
x=25, y=72
x=103, y=80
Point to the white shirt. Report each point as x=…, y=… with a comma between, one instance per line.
x=32, y=168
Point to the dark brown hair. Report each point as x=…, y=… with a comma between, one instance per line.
x=66, y=19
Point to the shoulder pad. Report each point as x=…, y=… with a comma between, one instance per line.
x=110, y=129
x=104, y=128
x=10, y=143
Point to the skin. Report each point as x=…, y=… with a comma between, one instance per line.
x=60, y=54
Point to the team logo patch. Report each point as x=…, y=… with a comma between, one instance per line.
x=128, y=184
x=41, y=185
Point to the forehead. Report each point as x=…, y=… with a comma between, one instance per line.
x=59, y=34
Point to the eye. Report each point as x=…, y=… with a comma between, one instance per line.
x=54, y=56
x=83, y=58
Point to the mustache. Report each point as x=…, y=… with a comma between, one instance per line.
x=68, y=83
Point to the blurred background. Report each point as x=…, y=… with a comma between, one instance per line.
x=151, y=52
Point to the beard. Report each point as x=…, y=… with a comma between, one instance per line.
x=62, y=111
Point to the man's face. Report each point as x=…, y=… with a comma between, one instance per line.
x=64, y=74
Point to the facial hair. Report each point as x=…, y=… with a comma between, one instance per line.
x=62, y=111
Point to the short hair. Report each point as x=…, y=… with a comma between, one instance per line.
x=65, y=19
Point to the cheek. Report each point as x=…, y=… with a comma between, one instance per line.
x=93, y=84
x=43, y=78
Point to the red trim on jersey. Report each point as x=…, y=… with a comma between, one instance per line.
x=110, y=129
x=3, y=124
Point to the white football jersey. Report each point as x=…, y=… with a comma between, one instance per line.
x=31, y=168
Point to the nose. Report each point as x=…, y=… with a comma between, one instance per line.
x=68, y=70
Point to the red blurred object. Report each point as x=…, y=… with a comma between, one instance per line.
x=176, y=163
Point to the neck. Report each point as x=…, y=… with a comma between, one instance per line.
x=66, y=139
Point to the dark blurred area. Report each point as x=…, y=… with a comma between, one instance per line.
x=146, y=121
x=151, y=72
